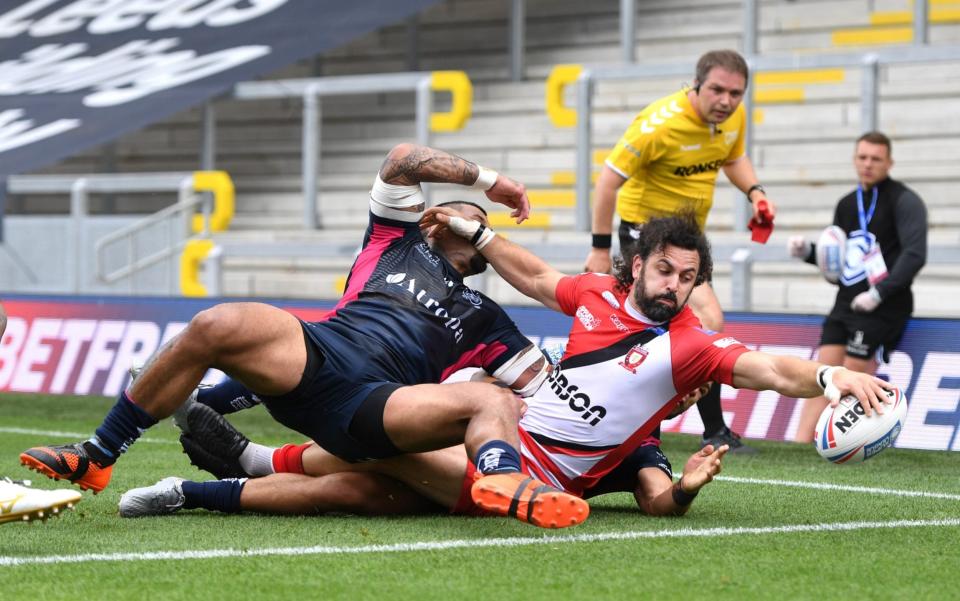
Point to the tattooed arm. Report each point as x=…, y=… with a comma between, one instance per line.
x=410, y=164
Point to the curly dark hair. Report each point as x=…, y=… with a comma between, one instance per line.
x=658, y=233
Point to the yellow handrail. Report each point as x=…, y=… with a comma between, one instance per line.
x=194, y=253
x=560, y=77
x=459, y=86
x=220, y=184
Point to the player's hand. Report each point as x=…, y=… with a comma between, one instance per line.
x=869, y=390
x=598, y=261
x=866, y=302
x=702, y=467
x=436, y=219
x=799, y=247
x=690, y=398
x=511, y=194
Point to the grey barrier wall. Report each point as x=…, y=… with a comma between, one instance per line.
x=40, y=255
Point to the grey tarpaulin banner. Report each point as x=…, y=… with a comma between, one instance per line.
x=78, y=73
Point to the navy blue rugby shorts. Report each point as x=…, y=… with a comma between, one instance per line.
x=339, y=401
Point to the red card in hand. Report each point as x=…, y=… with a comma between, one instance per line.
x=761, y=229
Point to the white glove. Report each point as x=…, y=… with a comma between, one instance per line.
x=799, y=247
x=474, y=231
x=866, y=302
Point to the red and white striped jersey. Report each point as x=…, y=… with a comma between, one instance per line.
x=620, y=376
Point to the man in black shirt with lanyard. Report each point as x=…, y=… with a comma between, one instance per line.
x=886, y=227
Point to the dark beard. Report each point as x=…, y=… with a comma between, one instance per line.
x=650, y=307
x=478, y=264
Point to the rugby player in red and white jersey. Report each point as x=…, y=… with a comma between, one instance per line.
x=635, y=351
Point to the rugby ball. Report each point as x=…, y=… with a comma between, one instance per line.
x=845, y=434
x=831, y=252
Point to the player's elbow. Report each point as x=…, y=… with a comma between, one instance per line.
x=398, y=153
x=401, y=150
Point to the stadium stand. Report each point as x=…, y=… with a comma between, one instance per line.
x=805, y=123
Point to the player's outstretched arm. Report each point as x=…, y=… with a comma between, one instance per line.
x=411, y=164
x=522, y=269
x=801, y=378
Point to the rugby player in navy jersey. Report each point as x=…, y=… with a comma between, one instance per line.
x=358, y=382
x=635, y=353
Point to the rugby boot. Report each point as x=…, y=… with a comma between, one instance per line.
x=78, y=462
x=166, y=496
x=213, y=444
x=19, y=503
x=529, y=500
x=728, y=437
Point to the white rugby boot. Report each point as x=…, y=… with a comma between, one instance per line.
x=166, y=496
x=20, y=503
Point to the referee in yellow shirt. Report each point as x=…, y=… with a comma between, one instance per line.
x=666, y=163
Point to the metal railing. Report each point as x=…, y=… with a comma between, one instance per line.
x=628, y=31
x=311, y=90
x=189, y=187
x=740, y=257
x=584, y=78
x=179, y=218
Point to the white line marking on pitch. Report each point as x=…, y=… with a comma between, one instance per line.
x=843, y=487
x=58, y=434
x=471, y=544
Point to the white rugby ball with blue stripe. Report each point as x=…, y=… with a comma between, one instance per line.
x=845, y=434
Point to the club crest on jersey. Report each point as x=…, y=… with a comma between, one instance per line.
x=472, y=297
x=586, y=318
x=634, y=358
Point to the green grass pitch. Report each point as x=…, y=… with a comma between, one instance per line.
x=750, y=534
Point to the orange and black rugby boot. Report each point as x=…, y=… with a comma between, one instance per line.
x=529, y=500
x=71, y=462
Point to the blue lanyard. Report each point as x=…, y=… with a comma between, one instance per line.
x=865, y=219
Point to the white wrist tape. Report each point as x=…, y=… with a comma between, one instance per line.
x=478, y=234
x=486, y=179
x=514, y=368
x=825, y=381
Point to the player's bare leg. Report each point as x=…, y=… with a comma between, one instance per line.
x=485, y=417
x=258, y=344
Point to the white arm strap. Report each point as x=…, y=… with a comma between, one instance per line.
x=825, y=381
x=388, y=200
x=510, y=371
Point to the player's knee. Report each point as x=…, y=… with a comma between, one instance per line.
x=212, y=327
x=501, y=401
